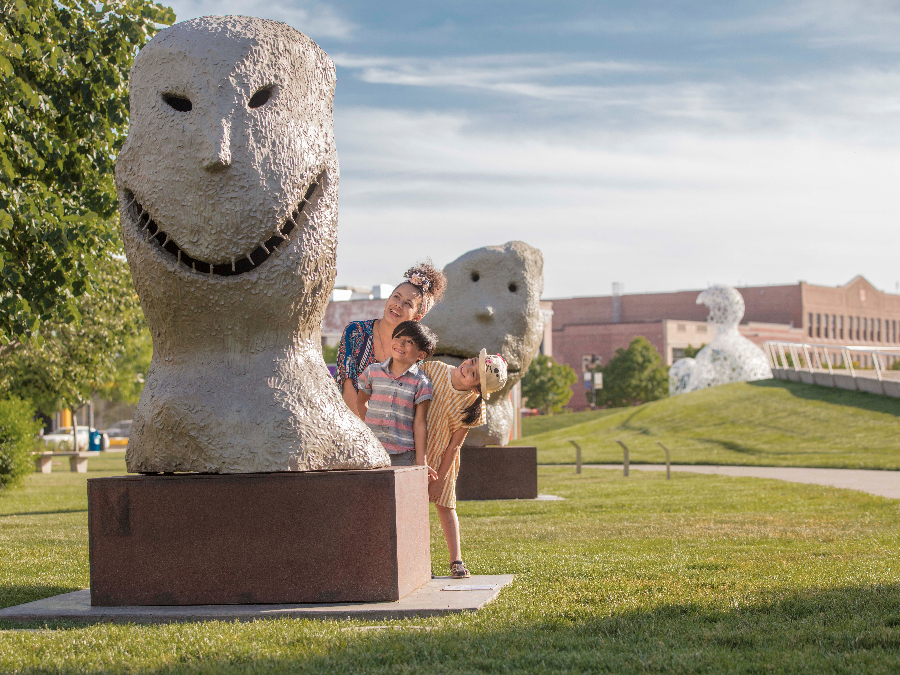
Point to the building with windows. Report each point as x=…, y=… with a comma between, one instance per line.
x=855, y=313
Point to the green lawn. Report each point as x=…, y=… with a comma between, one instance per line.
x=700, y=574
x=538, y=424
x=769, y=423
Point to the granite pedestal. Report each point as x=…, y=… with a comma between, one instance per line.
x=497, y=472
x=276, y=538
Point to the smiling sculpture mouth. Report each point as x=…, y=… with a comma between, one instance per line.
x=155, y=234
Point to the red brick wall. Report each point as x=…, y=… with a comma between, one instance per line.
x=603, y=340
x=857, y=299
x=766, y=304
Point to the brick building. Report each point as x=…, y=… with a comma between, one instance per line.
x=856, y=313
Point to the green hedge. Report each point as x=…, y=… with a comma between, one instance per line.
x=17, y=431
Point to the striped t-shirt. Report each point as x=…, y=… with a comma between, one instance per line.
x=445, y=416
x=392, y=403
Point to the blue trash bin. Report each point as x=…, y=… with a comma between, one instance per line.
x=95, y=441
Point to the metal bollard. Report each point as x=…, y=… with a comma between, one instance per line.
x=668, y=461
x=577, y=456
x=625, y=463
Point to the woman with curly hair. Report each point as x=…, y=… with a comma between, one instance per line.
x=366, y=342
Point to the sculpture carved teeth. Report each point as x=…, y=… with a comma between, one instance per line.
x=237, y=265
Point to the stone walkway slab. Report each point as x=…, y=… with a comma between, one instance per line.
x=438, y=597
x=881, y=483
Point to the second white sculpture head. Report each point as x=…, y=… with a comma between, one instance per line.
x=228, y=186
x=493, y=302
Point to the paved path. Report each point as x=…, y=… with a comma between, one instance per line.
x=882, y=483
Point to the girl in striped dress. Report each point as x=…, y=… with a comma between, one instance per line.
x=457, y=406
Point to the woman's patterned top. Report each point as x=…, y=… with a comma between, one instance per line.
x=356, y=352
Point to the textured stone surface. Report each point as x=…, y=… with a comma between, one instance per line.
x=497, y=473
x=492, y=301
x=331, y=536
x=431, y=599
x=229, y=218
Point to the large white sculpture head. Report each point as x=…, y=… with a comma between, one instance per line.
x=492, y=301
x=726, y=306
x=228, y=186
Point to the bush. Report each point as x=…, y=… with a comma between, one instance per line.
x=546, y=384
x=17, y=430
x=634, y=375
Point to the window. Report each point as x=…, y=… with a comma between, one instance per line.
x=818, y=325
x=677, y=353
x=701, y=328
x=680, y=328
x=857, y=328
x=878, y=324
x=841, y=327
x=810, y=322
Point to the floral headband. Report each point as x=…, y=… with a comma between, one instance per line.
x=420, y=280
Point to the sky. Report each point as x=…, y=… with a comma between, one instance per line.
x=661, y=145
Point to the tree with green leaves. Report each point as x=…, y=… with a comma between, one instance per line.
x=106, y=352
x=64, y=68
x=547, y=384
x=634, y=375
x=691, y=352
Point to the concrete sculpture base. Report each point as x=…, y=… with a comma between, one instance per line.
x=497, y=472
x=201, y=539
x=438, y=597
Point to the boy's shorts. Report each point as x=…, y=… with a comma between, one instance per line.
x=403, y=458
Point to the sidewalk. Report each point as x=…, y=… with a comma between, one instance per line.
x=881, y=483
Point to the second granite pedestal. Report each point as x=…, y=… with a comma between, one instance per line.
x=497, y=472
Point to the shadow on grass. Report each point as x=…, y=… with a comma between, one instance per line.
x=854, y=629
x=855, y=399
x=733, y=446
x=18, y=595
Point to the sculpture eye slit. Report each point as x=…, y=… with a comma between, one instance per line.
x=513, y=288
x=475, y=276
x=260, y=98
x=179, y=103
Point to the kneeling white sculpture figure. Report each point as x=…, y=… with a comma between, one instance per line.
x=729, y=357
x=228, y=190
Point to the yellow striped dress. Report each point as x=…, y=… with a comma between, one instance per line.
x=445, y=415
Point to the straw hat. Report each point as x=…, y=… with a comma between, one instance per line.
x=492, y=370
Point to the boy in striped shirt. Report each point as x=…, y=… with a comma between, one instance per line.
x=394, y=395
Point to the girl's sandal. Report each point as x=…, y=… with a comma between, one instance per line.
x=458, y=570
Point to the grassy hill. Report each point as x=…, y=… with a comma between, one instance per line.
x=769, y=423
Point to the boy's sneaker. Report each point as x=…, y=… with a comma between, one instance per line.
x=458, y=570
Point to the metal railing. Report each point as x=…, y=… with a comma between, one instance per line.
x=809, y=356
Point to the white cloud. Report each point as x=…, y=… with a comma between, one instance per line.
x=667, y=212
x=851, y=102
x=873, y=24
x=317, y=20
x=529, y=75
